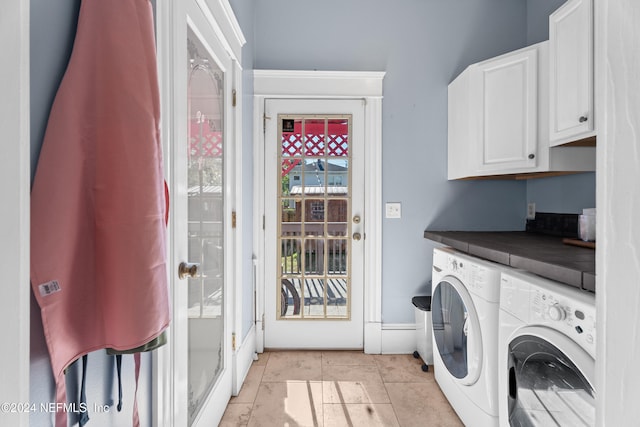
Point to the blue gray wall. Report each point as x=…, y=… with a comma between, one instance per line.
x=538, y=12
x=53, y=26
x=422, y=45
x=563, y=194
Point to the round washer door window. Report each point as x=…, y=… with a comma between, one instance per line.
x=456, y=330
x=546, y=387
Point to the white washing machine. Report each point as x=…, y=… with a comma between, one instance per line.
x=546, y=353
x=464, y=311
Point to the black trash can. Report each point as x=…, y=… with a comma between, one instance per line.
x=424, y=342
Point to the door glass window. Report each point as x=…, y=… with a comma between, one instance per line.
x=315, y=204
x=449, y=317
x=205, y=222
x=545, y=386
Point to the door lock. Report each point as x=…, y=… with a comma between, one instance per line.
x=356, y=219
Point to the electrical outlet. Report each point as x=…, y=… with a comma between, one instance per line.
x=393, y=210
x=531, y=210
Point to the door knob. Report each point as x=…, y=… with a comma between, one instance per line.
x=357, y=236
x=187, y=269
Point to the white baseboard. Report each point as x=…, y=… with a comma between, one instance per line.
x=242, y=360
x=390, y=338
x=398, y=338
x=379, y=338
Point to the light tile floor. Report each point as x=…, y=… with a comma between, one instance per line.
x=338, y=388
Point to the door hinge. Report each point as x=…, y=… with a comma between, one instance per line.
x=233, y=341
x=263, y=221
x=233, y=219
x=264, y=122
x=233, y=98
x=263, y=321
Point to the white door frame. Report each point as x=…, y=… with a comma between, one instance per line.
x=15, y=292
x=274, y=84
x=171, y=33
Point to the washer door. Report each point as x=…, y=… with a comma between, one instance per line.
x=550, y=380
x=456, y=330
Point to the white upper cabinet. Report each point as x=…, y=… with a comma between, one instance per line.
x=498, y=120
x=571, y=72
x=507, y=112
x=494, y=111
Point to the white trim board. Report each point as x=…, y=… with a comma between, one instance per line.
x=398, y=338
x=390, y=338
x=14, y=212
x=225, y=25
x=243, y=357
x=273, y=84
x=317, y=84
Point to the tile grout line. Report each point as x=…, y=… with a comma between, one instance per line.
x=384, y=384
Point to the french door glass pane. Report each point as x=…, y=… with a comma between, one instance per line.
x=315, y=211
x=206, y=225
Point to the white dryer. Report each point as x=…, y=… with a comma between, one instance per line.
x=464, y=311
x=546, y=353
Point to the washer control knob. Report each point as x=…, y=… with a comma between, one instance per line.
x=556, y=312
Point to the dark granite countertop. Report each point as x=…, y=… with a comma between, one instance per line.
x=543, y=255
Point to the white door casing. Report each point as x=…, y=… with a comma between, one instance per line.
x=14, y=211
x=366, y=86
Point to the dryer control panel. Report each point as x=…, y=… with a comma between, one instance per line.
x=480, y=277
x=538, y=301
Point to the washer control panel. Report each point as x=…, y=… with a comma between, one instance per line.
x=539, y=301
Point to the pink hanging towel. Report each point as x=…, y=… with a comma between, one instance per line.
x=98, y=235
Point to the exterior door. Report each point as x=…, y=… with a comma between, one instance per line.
x=314, y=222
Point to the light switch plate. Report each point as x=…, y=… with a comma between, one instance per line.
x=393, y=210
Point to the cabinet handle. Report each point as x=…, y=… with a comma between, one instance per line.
x=583, y=119
x=532, y=156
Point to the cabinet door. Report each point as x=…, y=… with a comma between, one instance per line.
x=508, y=113
x=461, y=134
x=571, y=65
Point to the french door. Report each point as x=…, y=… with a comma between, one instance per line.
x=314, y=222
x=198, y=113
